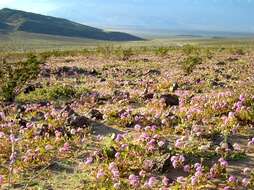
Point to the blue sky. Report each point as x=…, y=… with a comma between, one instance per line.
x=207, y=15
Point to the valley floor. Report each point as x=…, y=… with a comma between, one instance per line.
x=160, y=118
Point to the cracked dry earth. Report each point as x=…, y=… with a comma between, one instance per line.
x=99, y=122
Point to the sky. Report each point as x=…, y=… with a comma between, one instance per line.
x=203, y=15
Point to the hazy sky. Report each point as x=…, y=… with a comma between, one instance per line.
x=216, y=15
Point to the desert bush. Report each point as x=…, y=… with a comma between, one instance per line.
x=237, y=51
x=52, y=93
x=105, y=51
x=124, y=54
x=190, y=63
x=14, y=76
x=162, y=51
x=190, y=49
x=208, y=53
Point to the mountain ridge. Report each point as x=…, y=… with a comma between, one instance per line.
x=15, y=20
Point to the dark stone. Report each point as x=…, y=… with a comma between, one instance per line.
x=72, y=71
x=20, y=108
x=199, y=91
x=128, y=71
x=22, y=123
x=148, y=96
x=44, y=103
x=170, y=100
x=164, y=164
x=218, y=71
x=215, y=138
x=153, y=72
x=32, y=87
x=29, y=89
x=130, y=125
x=94, y=72
x=74, y=119
x=227, y=76
x=198, y=80
x=102, y=80
x=78, y=121
x=95, y=114
x=217, y=83
x=221, y=63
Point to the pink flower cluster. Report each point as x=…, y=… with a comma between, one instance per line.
x=134, y=180
x=238, y=106
x=223, y=163
x=66, y=148
x=251, y=142
x=1, y=180
x=151, y=182
x=114, y=170
x=177, y=161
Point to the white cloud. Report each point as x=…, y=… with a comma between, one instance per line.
x=39, y=6
x=6, y=2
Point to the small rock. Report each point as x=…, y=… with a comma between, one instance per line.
x=227, y=76
x=20, y=108
x=170, y=100
x=153, y=72
x=148, y=96
x=102, y=80
x=96, y=114
x=22, y=123
x=94, y=72
x=221, y=63
x=78, y=121
x=129, y=71
x=165, y=163
x=29, y=89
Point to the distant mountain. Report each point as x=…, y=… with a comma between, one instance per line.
x=15, y=20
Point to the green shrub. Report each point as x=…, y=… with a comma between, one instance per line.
x=13, y=76
x=124, y=54
x=190, y=63
x=190, y=49
x=162, y=51
x=52, y=93
x=105, y=51
x=208, y=53
x=237, y=51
